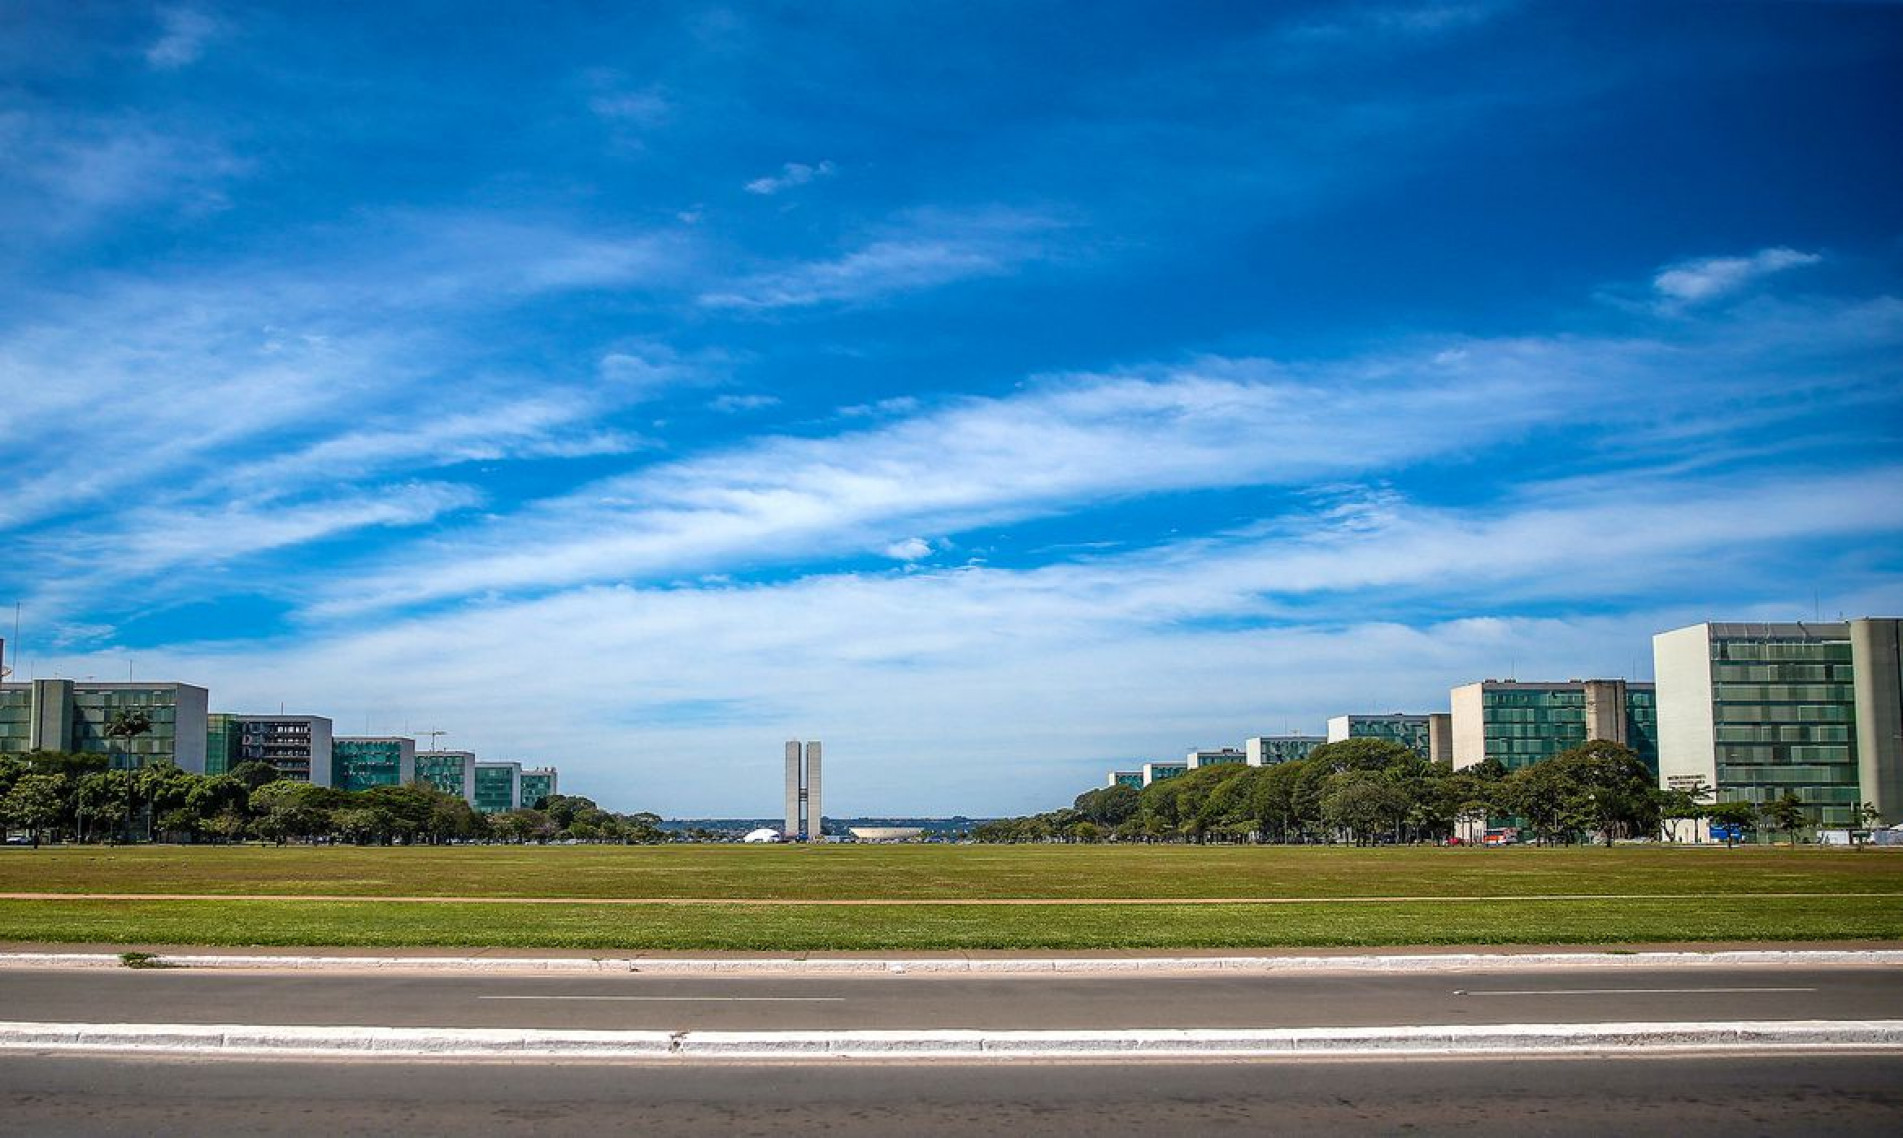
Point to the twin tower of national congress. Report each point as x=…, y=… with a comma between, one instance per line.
x=803, y=812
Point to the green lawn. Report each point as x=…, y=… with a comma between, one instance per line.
x=1671, y=894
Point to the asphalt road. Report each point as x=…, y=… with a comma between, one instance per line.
x=1731, y=1096
x=756, y=1003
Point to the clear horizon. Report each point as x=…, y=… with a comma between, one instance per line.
x=999, y=394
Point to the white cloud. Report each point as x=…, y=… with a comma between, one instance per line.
x=182, y=39
x=737, y=404
x=1693, y=282
x=934, y=690
x=929, y=251
x=634, y=108
x=792, y=174
x=911, y=549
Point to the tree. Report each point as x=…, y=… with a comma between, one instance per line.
x=288, y=809
x=1734, y=816
x=1678, y=804
x=1362, y=804
x=35, y=801
x=1598, y=787
x=255, y=773
x=126, y=724
x=1786, y=814
x=103, y=799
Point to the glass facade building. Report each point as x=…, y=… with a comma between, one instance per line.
x=1132, y=779
x=1268, y=750
x=452, y=772
x=1224, y=757
x=537, y=785
x=1411, y=731
x=1157, y=772
x=359, y=762
x=1758, y=711
x=221, y=743
x=498, y=787
x=1521, y=723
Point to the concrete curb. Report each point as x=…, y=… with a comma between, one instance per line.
x=1459, y=1039
x=1047, y=966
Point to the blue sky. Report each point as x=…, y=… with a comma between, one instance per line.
x=1000, y=393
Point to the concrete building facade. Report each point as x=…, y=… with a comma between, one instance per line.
x=805, y=817
x=359, y=762
x=73, y=715
x=1755, y=711
x=1520, y=723
x=299, y=746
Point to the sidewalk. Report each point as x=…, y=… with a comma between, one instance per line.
x=1457, y=958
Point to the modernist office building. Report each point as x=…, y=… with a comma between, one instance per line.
x=537, y=783
x=498, y=787
x=1133, y=779
x=1429, y=736
x=1756, y=711
x=1520, y=723
x=359, y=762
x=72, y=715
x=299, y=746
x=1157, y=772
x=452, y=772
x=1268, y=750
x=804, y=811
x=1220, y=757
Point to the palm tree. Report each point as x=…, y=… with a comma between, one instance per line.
x=126, y=724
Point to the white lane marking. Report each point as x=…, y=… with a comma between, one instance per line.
x=1626, y=991
x=688, y=999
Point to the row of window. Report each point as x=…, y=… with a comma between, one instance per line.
x=1783, y=713
x=1787, y=753
x=1782, y=673
x=1782, y=693
x=1782, y=733
x=1802, y=651
x=1816, y=795
x=1732, y=773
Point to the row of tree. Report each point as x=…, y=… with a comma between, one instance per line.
x=1372, y=790
x=59, y=796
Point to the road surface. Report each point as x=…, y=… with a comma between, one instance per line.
x=1103, y=1001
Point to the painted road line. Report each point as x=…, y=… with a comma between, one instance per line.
x=688, y=999
x=1626, y=991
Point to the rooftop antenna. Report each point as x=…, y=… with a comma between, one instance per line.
x=433, y=736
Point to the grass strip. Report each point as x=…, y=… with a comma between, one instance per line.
x=786, y=929
x=944, y=872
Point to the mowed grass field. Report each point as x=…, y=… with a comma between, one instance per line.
x=776, y=899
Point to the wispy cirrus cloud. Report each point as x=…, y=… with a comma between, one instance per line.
x=927, y=250
x=183, y=34
x=1708, y=278
x=791, y=175
x=1068, y=441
